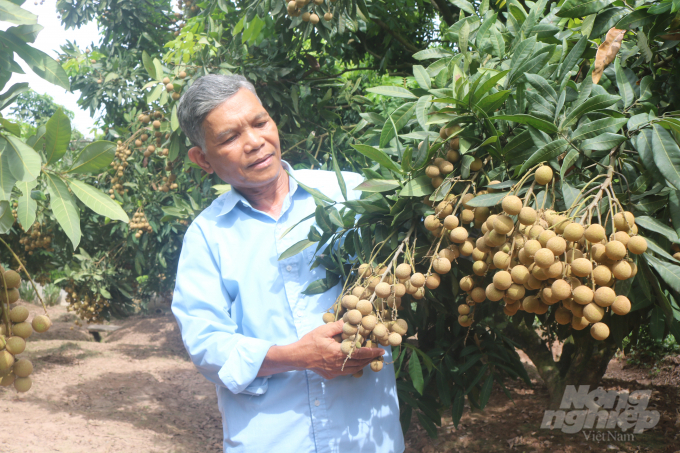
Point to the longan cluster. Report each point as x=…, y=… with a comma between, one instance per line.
x=140, y=223
x=122, y=154
x=369, y=311
x=168, y=183
x=86, y=306
x=545, y=259
x=14, y=330
x=34, y=239
x=15, y=213
x=440, y=167
x=295, y=7
x=155, y=119
x=173, y=90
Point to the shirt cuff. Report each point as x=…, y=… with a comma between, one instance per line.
x=239, y=372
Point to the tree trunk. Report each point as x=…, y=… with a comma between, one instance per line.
x=583, y=360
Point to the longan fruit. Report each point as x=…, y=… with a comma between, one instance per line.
x=465, y=321
x=544, y=258
x=581, y=267
x=543, y=175
x=599, y=331
x=637, y=245
x=515, y=292
x=22, y=329
x=431, y=223
x=501, y=260
x=369, y=322
x=437, y=181
x=458, y=235
x=467, y=283
x=15, y=345
x=579, y=322
x=418, y=279
x=502, y=280
x=534, y=231
x=557, y=245
x=573, y=232
x=624, y=221
x=577, y=310
x=394, y=339
x=593, y=312
x=445, y=167
x=346, y=346
x=22, y=368
x=453, y=252
x=512, y=205
x=595, y=233
x=524, y=258
x=466, y=248
x=41, y=323
x=441, y=265
x=467, y=216
x=582, y=295
x=432, y=171
x=377, y=364
x=403, y=271
x=548, y=297
x=495, y=239
x=604, y=296
x=511, y=310
x=503, y=224
x=466, y=199
x=622, y=237
x=478, y=255
x=493, y=293
x=364, y=307
x=602, y=275
x=354, y=316
x=361, y=293
x=542, y=308
x=6, y=360
x=561, y=289
x=380, y=330
x=621, y=305
x=519, y=274
x=410, y=289
x=306, y=16
x=480, y=268
x=615, y=250
x=350, y=301
x=12, y=279
x=563, y=316
x=18, y=314
x=530, y=304
x=451, y=222
x=476, y=164
x=598, y=253
x=23, y=384
x=622, y=270
x=463, y=309
x=328, y=317
x=433, y=281
x=7, y=380
x=532, y=282
x=482, y=213
x=478, y=295
x=373, y=282
x=453, y=155
x=545, y=236
x=527, y=216
x=383, y=290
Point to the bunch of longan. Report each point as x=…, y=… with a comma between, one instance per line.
x=86, y=305
x=294, y=9
x=168, y=183
x=369, y=311
x=140, y=223
x=440, y=167
x=34, y=239
x=122, y=154
x=14, y=330
x=542, y=258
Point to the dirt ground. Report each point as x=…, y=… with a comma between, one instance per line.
x=137, y=391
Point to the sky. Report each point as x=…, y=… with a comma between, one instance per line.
x=49, y=40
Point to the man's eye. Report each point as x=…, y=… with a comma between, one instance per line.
x=262, y=124
x=230, y=139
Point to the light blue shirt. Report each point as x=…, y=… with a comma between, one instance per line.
x=233, y=300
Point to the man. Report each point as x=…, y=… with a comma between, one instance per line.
x=244, y=320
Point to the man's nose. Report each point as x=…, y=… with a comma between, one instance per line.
x=253, y=140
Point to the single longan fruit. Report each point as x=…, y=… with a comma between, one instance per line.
x=383, y=290
x=511, y=310
x=433, y=281
x=354, y=316
x=581, y=267
x=532, y=246
x=573, y=232
x=380, y=330
x=358, y=374
x=15, y=345
x=503, y=224
x=478, y=255
x=399, y=326
x=418, y=279
x=328, y=317
x=441, y=265
x=598, y=252
x=622, y=270
x=6, y=360
x=346, y=346
x=466, y=248
x=445, y=167
x=23, y=330
x=463, y=309
x=543, y=175
x=23, y=368
x=563, y=316
x=534, y=231
x=403, y=271
x=573, y=255
x=544, y=258
x=466, y=199
x=542, y=308
x=599, y=331
x=467, y=283
x=548, y=297
x=482, y=213
x=555, y=270
x=561, y=289
x=602, y=275
x=476, y=164
x=622, y=237
x=495, y=239
x=350, y=301
x=637, y=245
x=604, y=296
x=432, y=171
x=557, y=245
x=451, y=222
x=532, y=283
x=579, y=323
x=18, y=314
x=361, y=293
x=12, y=279
x=431, y=222
x=410, y=289
x=467, y=216
x=595, y=233
x=493, y=294
x=7, y=380
x=452, y=155
x=458, y=235
x=520, y=274
x=515, y=292
x=369, y=322
x=527, y=216
x=582, y=295
x=545, y=236
x=436, y=182
x=443, y=209
x=465, y=321
x=41, y=323
x=394, y=339
x=480, y=268
x=364, y=307
x=23, y=384
x=502, y=280
x=488, y=225
x=593, y=312
x=621, y=305
x=624, y=221
x=501, y=260
x=577, y=310
x=376, y=365
x=512, y=205
x=478, y=295
x=615, y=250
x=481, y=244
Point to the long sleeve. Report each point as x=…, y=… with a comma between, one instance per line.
x=201, y=306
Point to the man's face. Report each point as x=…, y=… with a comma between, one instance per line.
x=241, y=143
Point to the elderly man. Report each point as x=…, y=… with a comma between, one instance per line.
x=245, y=322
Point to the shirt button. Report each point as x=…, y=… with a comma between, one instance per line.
x=299, y=314
x=317, y=403
x=289, y=268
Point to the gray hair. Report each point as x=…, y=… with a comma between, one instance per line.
x=203, y=97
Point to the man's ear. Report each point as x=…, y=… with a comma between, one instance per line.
x=197, y=156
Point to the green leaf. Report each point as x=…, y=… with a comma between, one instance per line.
x=432, y=53
x=418, y=187
x=10, y=12
x=485, y=393
x=155, y=94
x=427, y=424
x=27, y=205
x=652, y=224
x=656, y=248
x=569, y=160
x=601, y=101
x=625, y=88
x=316, y=287
x=57, y=136
x=538, y=123
x=6, y=217
x=313, y=192
x=11, y=94
x=64, y=208
x=572, y=57
x=581, y=8
x=296, y=248
x=392, y=91
x=94, y=158
x=458, y=407
x=489, y=199
x=97, y=200
x=378, y=185
x=489, y=84
x=338, y=173
x=416, y=372
x=7, y=179
x=173, y=151
x=545, y=153
x=491, y=102
x=50, y=70
x=594, y=128
x=24, y=162
x=422, y=77
x=378, y=156
x=396, y=122
x=174, y=120
x=158, y=69
x=422, y=107
x=148, y=65
x=603, y=142
x=670, y=273
x=666, y=155
x=542, y=87
x=636, y=19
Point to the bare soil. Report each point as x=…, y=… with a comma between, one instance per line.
x=137, y=391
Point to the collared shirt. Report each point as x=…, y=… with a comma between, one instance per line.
x=234, y=299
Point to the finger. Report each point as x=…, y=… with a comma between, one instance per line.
x=331, y=329
x=367, y=353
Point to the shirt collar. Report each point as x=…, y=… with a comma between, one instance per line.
x=231, y=198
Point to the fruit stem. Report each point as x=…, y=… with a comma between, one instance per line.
x=30, y=279
x=598, y=197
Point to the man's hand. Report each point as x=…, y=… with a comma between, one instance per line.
x=319, y=352
x=324, y=357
